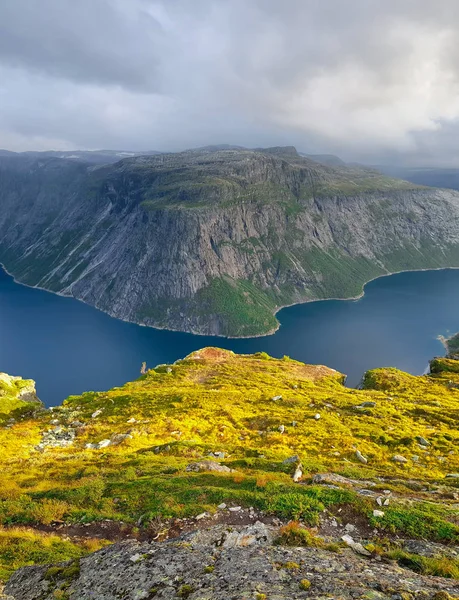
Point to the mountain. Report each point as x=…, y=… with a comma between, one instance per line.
x=215, y=241
x=96, y=157
x=326, y=159
x=192, y=476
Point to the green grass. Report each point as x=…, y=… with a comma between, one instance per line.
x=217, y=401
x=20, y=547
x=435, y=566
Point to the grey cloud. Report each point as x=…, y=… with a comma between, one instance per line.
x=369, y=79
x=95, y=41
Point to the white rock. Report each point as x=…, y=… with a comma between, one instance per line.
x=317, y=416
x=201, y=516
x=349, y=528
x=298, y=474
x=103, y=444
x=221, y=506
x=96, y=413
x=378, y=513
x=281, y=428
x=235, y=508
x=360, y=457
x=135, y=558
x=356, y=546
x=276, y=398
x=131, y=420
x=399, y=459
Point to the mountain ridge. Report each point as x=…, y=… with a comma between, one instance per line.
x=215, y=241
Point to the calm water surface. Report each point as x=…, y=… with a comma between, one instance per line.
x=68, y=347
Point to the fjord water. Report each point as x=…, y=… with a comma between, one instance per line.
x=68, y=347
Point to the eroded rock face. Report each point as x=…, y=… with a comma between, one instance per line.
x=23, y=389
x=160, y=240
x=218, y=564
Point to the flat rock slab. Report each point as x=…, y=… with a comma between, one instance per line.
x=219, y=564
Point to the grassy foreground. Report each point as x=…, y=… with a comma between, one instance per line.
x=256, y=412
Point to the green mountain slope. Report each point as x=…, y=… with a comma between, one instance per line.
x=215, y=241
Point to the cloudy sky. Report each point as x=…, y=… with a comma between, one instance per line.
x=370, y=80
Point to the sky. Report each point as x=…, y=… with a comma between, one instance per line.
x=374, y=81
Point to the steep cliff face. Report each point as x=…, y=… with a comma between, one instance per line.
x=215, y=241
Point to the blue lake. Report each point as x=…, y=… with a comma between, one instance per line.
x=68, y=347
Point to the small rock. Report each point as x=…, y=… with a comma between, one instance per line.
x=103, y=444
x=298, y=474
x=317, y=416
x=292, y=460
x=452, y=475
x=256, y=534
x=221, y=506
x=119, y=438
x=135, y=558
x=378, y=513
x=422, y=441
x=208, y=465
x=201, y=516
x=276, y=398
x=281, y=428
x=356, y=546
x=398, y=458
x=96, y=413
x=131, y=420
x=349, y=528
x=364, y=492
x=234, y=508
x=360, y=457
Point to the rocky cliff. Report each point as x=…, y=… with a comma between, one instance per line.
x=215, y=241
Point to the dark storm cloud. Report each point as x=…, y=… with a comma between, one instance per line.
x=368, y=79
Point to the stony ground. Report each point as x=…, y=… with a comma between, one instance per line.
x=222, y=563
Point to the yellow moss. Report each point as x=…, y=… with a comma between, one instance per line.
x=217, y=401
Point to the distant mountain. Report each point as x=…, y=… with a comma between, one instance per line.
x=326, y=159
x=99, y=157
x=215, y=242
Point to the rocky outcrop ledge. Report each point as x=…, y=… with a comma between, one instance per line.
x=222, y=563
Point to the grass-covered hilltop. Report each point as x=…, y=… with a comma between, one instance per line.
x=225, y=440
x=215, y=240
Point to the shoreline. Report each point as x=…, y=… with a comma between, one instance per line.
x=242, y=337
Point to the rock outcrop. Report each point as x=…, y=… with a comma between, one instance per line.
x=215, y=242
x=221, y=563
